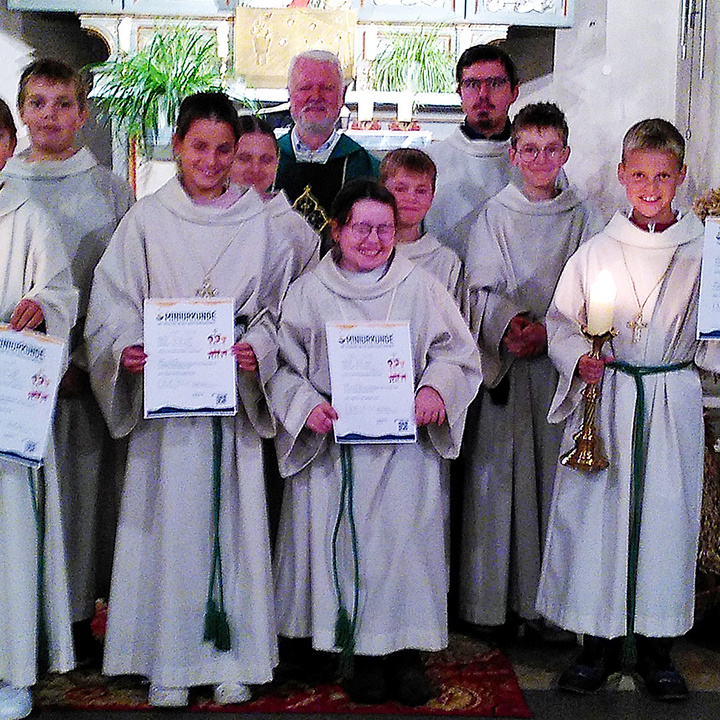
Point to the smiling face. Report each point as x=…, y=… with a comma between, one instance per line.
x=362, y=251
x=316, y=96
x=486, y=96
x=256, y=161
x=413, y=193
x=53, y=117
x=539, y=153
x=651, y=179
x=205, y=156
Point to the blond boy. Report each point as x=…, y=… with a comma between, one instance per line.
x=86, y=201
x=409, y=175
x=620, y=554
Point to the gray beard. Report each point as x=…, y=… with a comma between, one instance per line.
x=315, y=128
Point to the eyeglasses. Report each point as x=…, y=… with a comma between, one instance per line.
x=530, y=152
x=362, y=230
x=491, y=83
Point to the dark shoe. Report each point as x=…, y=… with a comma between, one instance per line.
x=367, y=685
x=662, y=679
x=599, y=659
x=88, y=651
x=299, y=661
x=406, y=679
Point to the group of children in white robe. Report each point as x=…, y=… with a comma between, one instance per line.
x=381, y=596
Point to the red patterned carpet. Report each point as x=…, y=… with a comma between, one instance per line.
x=471, y=680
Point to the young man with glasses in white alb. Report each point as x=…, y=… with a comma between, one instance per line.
x=472, y=162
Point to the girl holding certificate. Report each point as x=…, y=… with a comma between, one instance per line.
x=36, y=293
x=361, y=553
x=191, y=593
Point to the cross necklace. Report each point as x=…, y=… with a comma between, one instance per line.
x=637, y=323
x=206, y=289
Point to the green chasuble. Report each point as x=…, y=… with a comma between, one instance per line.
x=348, y=160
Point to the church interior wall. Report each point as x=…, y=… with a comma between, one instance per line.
x=704, y=142
x=606, y=72
x=609, y=72
x=25, y=36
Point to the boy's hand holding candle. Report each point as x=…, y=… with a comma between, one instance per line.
x=600, y=311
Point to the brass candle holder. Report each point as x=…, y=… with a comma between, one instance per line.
x=587, y=454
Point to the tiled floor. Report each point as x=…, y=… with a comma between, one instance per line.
x=538, y=665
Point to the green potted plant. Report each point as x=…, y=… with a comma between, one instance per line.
x=413, y=62
x=142, y=91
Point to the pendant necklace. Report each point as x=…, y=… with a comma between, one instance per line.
x=637, y=324
x=206, y=289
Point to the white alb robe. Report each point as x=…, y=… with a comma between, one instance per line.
x=165, y=247
x=469, y=172
x=440, y=261
x=34, y=266
x=293, y=231
x=400, y=491
x=86, y=201
x=515, y=255
x=584, y=573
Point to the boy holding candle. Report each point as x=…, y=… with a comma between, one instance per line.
x=619, y=561
x=514, y=257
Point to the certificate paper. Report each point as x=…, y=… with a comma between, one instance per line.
x=30, y=369
x=709, y=308
x=371, y=377
x=190, y=368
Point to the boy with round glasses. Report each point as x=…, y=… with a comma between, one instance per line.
x=515, y=254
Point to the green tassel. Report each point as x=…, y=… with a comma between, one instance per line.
x=211, y=620
x=629, y=653
x=345, y=641
x=222, y=632
x=344, y=635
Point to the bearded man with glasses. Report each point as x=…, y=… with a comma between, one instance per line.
x=472, y=163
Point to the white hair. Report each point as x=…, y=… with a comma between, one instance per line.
x=323, y=56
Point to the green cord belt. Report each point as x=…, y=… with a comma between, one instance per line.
x=217, y=628
x=37, y=497
x=345, y=625
x=637, y=487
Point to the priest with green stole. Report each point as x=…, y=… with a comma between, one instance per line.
x=315, y=159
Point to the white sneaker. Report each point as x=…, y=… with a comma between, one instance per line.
x=232, y=693
x=15, y=702
x=163, y=696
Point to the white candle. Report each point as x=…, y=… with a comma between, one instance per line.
x=366, y=106
x=405, y=106
x=601, y=304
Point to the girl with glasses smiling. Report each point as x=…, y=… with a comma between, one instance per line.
x=400, y=490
